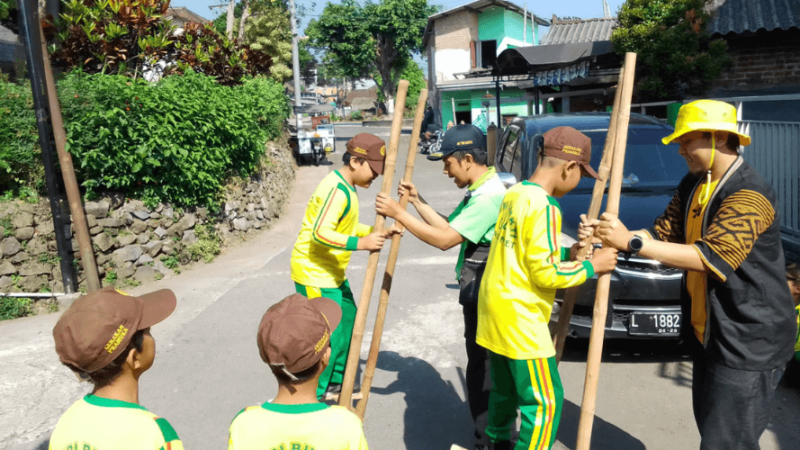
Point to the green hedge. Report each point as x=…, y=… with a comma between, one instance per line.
x=175, y=141
x=20, y=155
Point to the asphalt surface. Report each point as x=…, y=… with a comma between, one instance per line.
x=207, y=366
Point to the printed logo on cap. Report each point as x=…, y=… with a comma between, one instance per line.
x=572, y=150
x=464, y=143
x=360, y=150
x=116, y=339
x=383, y=150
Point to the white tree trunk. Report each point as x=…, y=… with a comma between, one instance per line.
x=229, y=24
x=245, y=15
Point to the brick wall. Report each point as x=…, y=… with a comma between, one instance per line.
x=762, y=60
x=456, y=31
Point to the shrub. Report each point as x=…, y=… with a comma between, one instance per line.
x=174, y=141
x=356, y=115
x=14, y=307
x=20, y=154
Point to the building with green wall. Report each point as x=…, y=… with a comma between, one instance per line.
x=462, y=45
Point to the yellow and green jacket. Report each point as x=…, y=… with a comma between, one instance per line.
x=305, y=426
x=522, y=275
x=100, y=423
x=329, y=234
x=797, y=343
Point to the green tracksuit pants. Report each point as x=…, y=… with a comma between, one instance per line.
x=340, y=339
x=535, y=388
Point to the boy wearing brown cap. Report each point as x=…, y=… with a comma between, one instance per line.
x=294, y=338
x=330, y=232
x=105, y=337
x=526, y=266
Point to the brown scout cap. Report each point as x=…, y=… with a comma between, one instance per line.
x=369, y=147
x=99, y=326
x=569, y=144
x=295, y=332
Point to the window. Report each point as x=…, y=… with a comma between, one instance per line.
x=510, y=156
x=488, y=55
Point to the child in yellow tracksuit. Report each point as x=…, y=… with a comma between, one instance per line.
x=523, y=272
x=330, y=232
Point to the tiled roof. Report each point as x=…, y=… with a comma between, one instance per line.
x=186, y=15
x=738, y=16
x=581, y=30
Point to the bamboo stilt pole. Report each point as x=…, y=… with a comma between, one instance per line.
x=388, y=275
x=68, y=174
x=571, y=295
x=603, y=284
x=353, y=357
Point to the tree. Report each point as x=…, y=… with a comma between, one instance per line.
x=269, y=31
x=308, y=65
x=375, y=40
x=416, y=82
x=675, y=57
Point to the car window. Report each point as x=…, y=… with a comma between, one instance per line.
x=648, y=162
x=510, y=150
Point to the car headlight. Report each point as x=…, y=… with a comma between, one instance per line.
x=567, y=240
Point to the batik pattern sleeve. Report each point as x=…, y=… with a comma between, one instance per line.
x=171, y=439
x=363, y=230
x=669, y=226
x=335, y=207
x=540, y=234
x=733, y=231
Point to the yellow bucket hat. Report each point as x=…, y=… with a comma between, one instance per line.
x=706, y=115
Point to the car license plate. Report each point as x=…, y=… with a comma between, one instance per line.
x=654, y=324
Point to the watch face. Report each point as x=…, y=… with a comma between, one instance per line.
x=636, y=243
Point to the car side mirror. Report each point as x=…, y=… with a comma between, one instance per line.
x=507, y=179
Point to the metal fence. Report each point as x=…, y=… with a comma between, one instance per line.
x=775, y=153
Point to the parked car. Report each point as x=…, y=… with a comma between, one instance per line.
x=644, y=299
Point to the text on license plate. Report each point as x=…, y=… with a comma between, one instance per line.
x=654, y=324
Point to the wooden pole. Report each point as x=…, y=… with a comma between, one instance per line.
x=68, y=173
x=377, y=333
x=491, y=142
x=604, y=282
x=353, y=358
x=571, y=295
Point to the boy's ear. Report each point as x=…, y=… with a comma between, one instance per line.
x=133, y=361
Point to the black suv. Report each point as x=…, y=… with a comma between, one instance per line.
x=644, y=300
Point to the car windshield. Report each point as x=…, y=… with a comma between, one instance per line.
x=648, y=163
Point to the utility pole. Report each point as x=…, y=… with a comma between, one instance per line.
x=61, y=220
x=296, y=67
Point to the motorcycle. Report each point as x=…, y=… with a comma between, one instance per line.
x=432, y=144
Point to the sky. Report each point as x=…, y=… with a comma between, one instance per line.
x=585, y=9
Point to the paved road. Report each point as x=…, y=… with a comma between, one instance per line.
x=208, y=368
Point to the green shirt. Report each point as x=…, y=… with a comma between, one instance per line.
x=475, y=217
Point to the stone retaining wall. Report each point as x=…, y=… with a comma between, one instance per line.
x=134, y=244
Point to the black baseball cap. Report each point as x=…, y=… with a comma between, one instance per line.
x=460, y=137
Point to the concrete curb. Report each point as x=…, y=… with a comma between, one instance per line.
x=386, y=123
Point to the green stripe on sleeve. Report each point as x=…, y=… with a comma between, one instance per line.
x=565, y=253
x=352, y=243
x=589, y=269
x=166, y=430
x=342, y=188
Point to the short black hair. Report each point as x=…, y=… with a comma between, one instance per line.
x=732, y=143
x=346, y=157
x=479, y=155
x=105, y=376
x=301, y=376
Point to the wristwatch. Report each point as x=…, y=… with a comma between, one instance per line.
x=635, y=244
